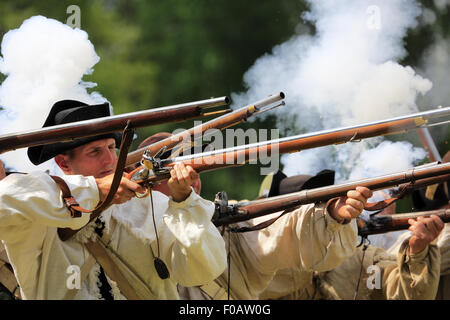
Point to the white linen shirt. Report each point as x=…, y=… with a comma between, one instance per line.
x=32, y=209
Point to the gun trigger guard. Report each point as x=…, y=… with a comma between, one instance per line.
x=143, y=195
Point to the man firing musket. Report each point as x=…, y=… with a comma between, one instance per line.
x=89, y=163
x=160, y=255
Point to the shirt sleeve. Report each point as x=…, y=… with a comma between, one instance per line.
x=443, y=244
x=35, y=198
x=415, y=276
x=308, y=239
x=198, y=255
x=374, y=274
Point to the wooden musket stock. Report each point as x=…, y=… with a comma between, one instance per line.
x=386, y=223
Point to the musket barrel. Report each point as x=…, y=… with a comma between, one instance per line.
x=252, y=209
x=222, y=122
x=445, y=213
x=240, y=155
x=271, y=99
x=86, y=128
x=333, y=136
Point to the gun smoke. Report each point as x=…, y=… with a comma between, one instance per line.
x=44, y=61
x=346, y=73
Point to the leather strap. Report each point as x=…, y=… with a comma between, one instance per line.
x=380, y=205
x=267, y=223
x=73, y=206
x=261, y=225
x=84, y=271
x=383, y=204
x=140, y=288
x=112, y=271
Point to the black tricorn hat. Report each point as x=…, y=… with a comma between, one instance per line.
x=282, y=184
x=67, y=111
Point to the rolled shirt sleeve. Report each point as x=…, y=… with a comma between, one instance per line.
x=198, y=255
x=415, y=276
x=374, y=274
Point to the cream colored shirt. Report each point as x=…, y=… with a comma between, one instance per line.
x=307, y=255
x=31, y=210
x=305, y=240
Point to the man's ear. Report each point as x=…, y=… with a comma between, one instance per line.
x=61, y=161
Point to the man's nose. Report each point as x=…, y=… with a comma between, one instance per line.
x=109, y=157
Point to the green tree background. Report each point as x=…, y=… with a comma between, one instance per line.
x=157, y=53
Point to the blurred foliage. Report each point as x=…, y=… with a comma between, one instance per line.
x=157, y=53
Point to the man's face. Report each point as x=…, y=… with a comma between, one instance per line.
x=97, y=158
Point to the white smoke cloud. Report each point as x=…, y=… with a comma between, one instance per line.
x=44, y=61
x=401, y=156
x=346, y=73
x=435, y=64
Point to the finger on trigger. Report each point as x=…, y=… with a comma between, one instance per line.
x=134, y=187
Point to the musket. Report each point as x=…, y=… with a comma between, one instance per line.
x=187, y=137
x=429, y=144
x=377, y=223
x=178, y=140
x=155, y=169
x=416, y=177
x=104, y=125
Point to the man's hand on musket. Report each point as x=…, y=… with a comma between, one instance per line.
x=126, y=190
x=346, y=208
x=2, y=170
x=180, y=181
x=424, y=230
